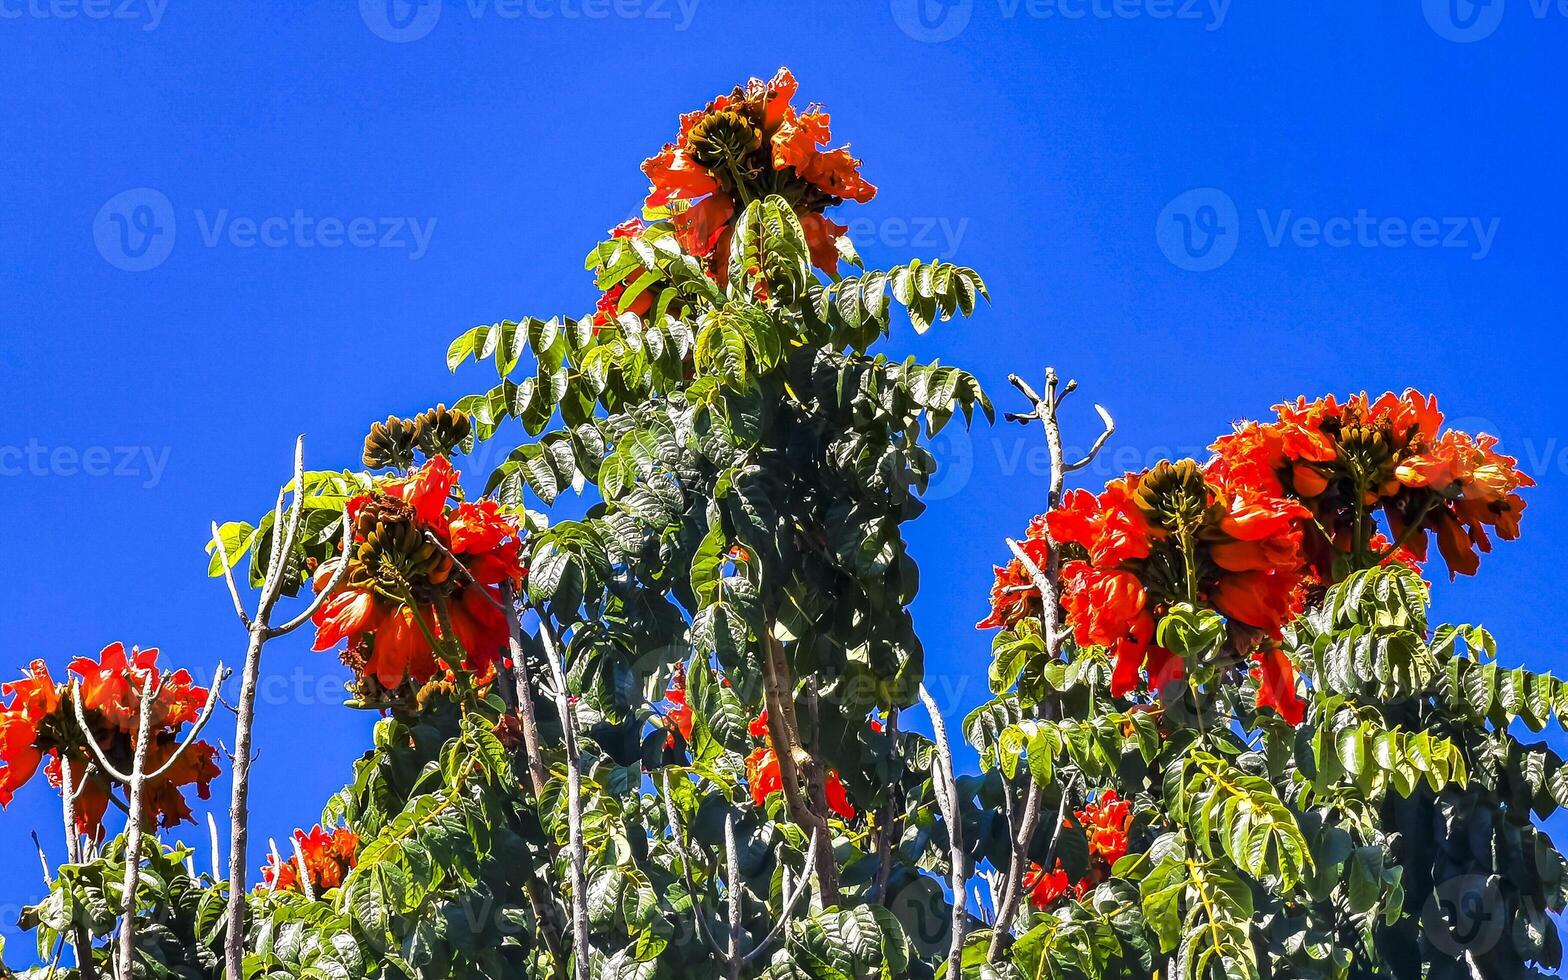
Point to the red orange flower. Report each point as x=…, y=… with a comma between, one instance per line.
x=744, y=145
x=765, y=777
x=423, y=572
x=40, y=723
x=1045, y=888
x=1106, y=821
x=1346, y=461
x=1277, y=684
x=679, y=717
x=329, y=856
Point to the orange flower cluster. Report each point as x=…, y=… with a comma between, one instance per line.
x=746, y=145
x=1106, y=821
x=765, y=779
x=1281, y=510
x=1347, y=461
x=40, y=723
x=329, y=856
x=422, y=574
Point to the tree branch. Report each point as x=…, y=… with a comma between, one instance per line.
x=1011, y=889
x=219, y=676
x=133, y=825
x=338, y=574
x=790, y=900
x=946, y=787
x=574, y=802
x=228, y=575
x=525, y=696
x=733, y=888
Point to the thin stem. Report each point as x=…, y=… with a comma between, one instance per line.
x=525, y=696
x=885, y=818
x=791, y=899
x=219, y=676
x=1011, y=890
x=239, y=803
x=733, y=887
x=260, y=632
x=338, y=574
x=678, y=838
x=228, y=575
x=574, y=800
x=305, y=884
x=133, y=826
x=946, y=786
x=783, y=731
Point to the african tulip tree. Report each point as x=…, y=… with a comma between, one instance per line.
x=671, y=737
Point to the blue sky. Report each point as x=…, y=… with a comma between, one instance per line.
x=225, y=224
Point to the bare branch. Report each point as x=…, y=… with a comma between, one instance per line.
x=677, y=837
x=338, y=574
x=228, y=575
x=574, y=802
x=212, y=840
x=733, y=887
x=304, y=874
x=201, y=722
x=81, y=785
x=277, y=860
x=133, y=822
x=1061, y=817
x=525, y=697
x=1099, y=444
x=277, y=568
x=92, y=743
x=791, y=899
x=43, y=859
x=1011, y=890
x=946, y=786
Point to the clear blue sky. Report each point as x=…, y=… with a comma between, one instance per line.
x=1407, y=163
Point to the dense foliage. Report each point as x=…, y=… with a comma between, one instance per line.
x=667, y=738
